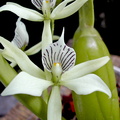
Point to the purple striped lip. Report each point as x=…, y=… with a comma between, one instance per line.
x=58, y=53
x=39, y=3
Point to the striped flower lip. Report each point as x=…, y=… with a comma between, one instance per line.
x=39, y=3
x=58, y=53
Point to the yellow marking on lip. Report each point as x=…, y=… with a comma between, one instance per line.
x=47, y=1
x=56, y=64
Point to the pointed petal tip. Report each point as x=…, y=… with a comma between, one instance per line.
x=87, y=84
x=106, y=57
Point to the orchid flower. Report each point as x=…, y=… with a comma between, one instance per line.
x=21, y=40
x=58, y=59
x=61, y=11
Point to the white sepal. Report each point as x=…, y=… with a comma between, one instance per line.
x=46, y=34
x=63, y=11
x=87, y=84
x=85, y=68
x=22, y=12
x=35, y=49
x=54, y=105
x=24, y=83
x=21, y=38
x=14, y=54
x=59, y=8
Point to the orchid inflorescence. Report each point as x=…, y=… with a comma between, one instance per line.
x=58, y=59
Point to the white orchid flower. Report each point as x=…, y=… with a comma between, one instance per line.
x=61, y=11
x=21, y=40
x=58, y=59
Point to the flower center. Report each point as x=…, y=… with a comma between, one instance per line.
x=56, y=72
x=47, y=1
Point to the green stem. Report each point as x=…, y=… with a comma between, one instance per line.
x=35, y=104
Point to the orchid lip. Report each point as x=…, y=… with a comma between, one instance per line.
x=59, y=52
x=39, y=3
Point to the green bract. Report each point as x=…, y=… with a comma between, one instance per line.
x=58, y=60
x=61, y=11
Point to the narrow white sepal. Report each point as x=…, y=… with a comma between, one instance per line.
x=22, y=12
x=35, y=49
x=85, y=68
x=14, y=54
x=87, y=84
x=68, y=10
x=24, y=83
x=13, y=64
x=55, y=105
x=59, y=8
x=21, y=38
x=46, y=34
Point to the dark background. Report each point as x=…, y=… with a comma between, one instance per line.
x=106, y=22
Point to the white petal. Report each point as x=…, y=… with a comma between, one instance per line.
x=22, y=12
x=46, y=35
x=87, y=84
x=59, y=52
x=21, y=38
x=68, y=10
x=11, y=52
x=85, y=68
x=59, y=8
x=54, y=105
x=24, y=83
x=13, y=64
x=35, y=49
